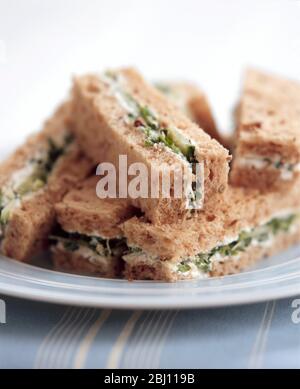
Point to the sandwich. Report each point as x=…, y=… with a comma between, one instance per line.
x=32, y=179
x=121, y=114
x=88, y=239
x=242, y=229
x=267, y=154
x=194, y=104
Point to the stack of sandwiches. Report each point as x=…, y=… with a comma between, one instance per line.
x=236, y=216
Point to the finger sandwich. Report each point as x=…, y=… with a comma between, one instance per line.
x=32, y=179
x=267, y=154
x=246, y=227
x=119, y=113
x=89, y=239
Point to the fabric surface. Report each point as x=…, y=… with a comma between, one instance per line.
x=39, y=335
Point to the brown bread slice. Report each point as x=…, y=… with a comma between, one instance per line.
x=69, y=262
x=81, y=211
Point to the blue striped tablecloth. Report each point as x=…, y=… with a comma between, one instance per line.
x=38, y=335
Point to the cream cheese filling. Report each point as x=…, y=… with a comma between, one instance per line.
x=17, y=179
x=14, y=192
x=171, y=138
x=90, y=255
x=171, y=266
x=286, y=170
x=117, y=85
x=27, y=181
x=230, y=248
x=97, y=250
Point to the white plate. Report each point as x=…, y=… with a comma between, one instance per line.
x=274, y=278
x=34, y=80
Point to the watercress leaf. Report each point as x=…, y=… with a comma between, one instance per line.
x=184, y=267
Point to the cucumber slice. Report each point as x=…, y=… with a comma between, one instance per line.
x=184, y=144
x=6, y=212
x=38, y=184
x=31, y=185
x=184, y=267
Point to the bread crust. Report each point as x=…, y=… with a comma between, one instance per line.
x=99, y=125
x=83, y=212
x=28, y=229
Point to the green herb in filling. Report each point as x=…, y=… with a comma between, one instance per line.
x=156, y=133
x=245, y=239
x=100, y=246
x=71, y=246
x=172, y=139
x=202, y=262
x=42, y=168
x=144, y=119
x=184, y=267
x=280, y=165
x=134, y=250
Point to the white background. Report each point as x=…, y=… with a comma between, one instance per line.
x=44, y=42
